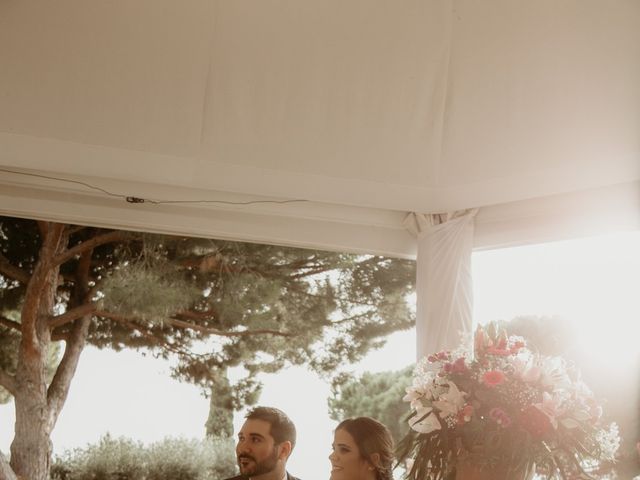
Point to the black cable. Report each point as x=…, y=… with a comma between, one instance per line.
x=132, y=199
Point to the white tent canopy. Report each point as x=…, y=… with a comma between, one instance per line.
x=365, y=110
x=328, y=124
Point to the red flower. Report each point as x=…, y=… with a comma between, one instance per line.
x=499, y=351
x=536, y=422
x=501, y=417
x=456, y=367
x=493, y=378
x=465, y=414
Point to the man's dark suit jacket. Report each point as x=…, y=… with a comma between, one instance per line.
x=242, y=477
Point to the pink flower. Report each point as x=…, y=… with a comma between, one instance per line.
x=465, y=414
x=456, y=367
x=459, y=366
x=517, y=346
x=493, y=378
x=479, y=341
x=499, y=351
x=500, y=416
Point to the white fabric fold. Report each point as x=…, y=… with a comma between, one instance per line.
x=443, y=285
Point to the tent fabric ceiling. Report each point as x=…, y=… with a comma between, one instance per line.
x=414, y=105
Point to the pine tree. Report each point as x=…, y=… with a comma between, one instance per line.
x=209, y=304
x=376, y=395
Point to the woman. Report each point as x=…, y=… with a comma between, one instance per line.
x=362, y=450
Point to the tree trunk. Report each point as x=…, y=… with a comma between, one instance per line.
x=6, y=473
x=220, y=421
x=31, y=447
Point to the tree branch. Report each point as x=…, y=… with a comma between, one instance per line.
x=116, y=317
x=42, y=285
x=75, y=341
x=73, y=229
x=13, y=272
x=8, y=382
x=43, y=227
x=309, y=273
x=213, y=331
x=148, y=334
x=301, y=291
x=60, y=336
x=210, y=314
x=90, y=244
x=353, y=317
x=59, y=387
x=71, y=315
x=10, y=323
x=174, y=322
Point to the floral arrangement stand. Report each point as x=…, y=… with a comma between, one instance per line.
x=502, y=412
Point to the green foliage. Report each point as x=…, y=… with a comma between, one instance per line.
x=148, y=291
x=213, y=304
x=171, y=458
x=180, y=459
x=109, y=459
x=376, y=395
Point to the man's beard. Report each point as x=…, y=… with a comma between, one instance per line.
x=259, y=468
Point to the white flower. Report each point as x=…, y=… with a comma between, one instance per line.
x=609, y=441
x=413, y=396
x=423, y=375
x=424, y=421
x=553, y=373
x=581, y=390
x=550, y=406
x=452, y=401
x=525, y=367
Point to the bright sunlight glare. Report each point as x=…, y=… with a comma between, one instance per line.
x=593, y=284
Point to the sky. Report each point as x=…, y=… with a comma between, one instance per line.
x=591, y=282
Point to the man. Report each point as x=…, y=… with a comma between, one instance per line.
x=265, y=442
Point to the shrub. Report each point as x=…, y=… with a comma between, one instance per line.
x=109, y=459
x=124, y=459
x=182, y=459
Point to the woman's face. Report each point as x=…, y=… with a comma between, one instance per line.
x=346, y=461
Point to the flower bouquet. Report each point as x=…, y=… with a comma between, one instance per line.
x=504, y=411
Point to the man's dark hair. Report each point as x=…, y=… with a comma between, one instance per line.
x=282, y=428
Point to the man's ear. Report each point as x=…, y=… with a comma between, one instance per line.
x=285, y=450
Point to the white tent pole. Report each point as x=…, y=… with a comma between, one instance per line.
x=443, y=283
